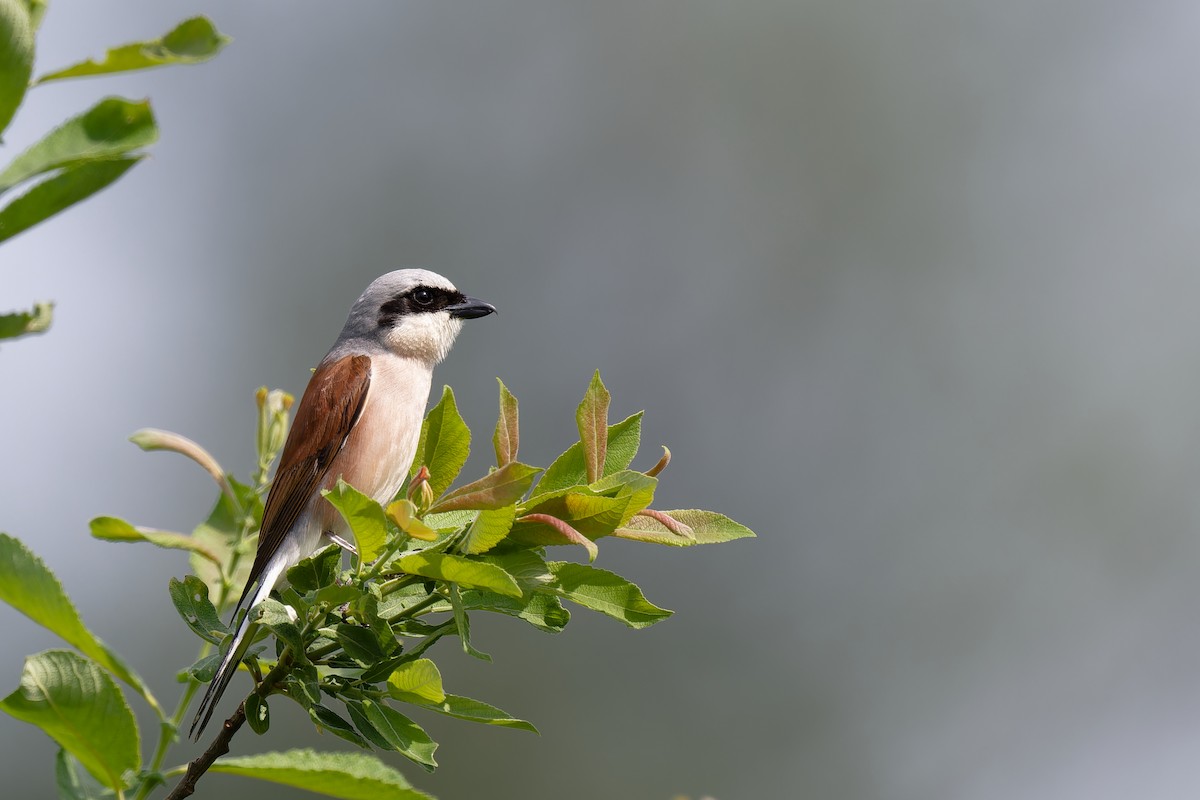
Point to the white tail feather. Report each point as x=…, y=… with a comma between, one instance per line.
x=237, y=646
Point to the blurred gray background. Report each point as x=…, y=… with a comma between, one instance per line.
x=909, y=288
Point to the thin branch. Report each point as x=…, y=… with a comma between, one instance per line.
x=220, y=745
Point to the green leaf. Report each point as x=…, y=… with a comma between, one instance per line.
x=635, y=488
x=582, y=507
x=18, y=21
x=74, y=184
x=283, y=622
x=191, y=42
x=462, y=623
x=316, y=572
x=549, y=529
x=476, y=711
x=79, y=706
x=404, y=514
x=30, y=587
x=366, y=609
x=258, y=713
x=37, y=10
x=334, y=723
x=360, y=643
x=542, y=611
x=444, y=445
x=708, y=527
x=365, y=517
x=358, y=715
x=450, y=520
x=417, y=681
x=112, y=128
x=592, y=419
x=152, y=440
x=22, y=323
x=221, y=534
x=348, y=776
x=71, y=784
x=203, y=670
x=606, y=592
x=401, y=733
x=190, y=597
x=507, y=436
x=488, y=529
x=457, y=569
x=499, y=488
x=570, y=468
x=111, y=529
x=303, y=685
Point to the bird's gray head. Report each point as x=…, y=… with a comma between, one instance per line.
x=412, y=312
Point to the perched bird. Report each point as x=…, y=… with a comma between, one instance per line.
x=359, y=420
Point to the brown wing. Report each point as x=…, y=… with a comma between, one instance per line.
x=331, y=405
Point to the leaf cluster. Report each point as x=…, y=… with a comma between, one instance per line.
x=349, y=637
x=87, y=152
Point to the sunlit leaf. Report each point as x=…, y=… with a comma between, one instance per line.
x=113, y=127
x=457, y=569
x=592, y=419
x=507, y=437
x=111, y=529
x=403, y=512
x=549, y=529
x=75, y=183
x=498, y=488
x=707, y=527
x=79, y=706
x=348, y=776
x=606, y=592
x=191, y=42
x=18, y=22
x=488, y=529
x=153, y=440
x=22, y=323
x=445, y=444
x=570, y=469
x=30, y=587
x=366, y=518
x=417, y=681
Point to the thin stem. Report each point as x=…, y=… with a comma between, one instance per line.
x=167, y=734
x=220, y=745
x=398, y=583
x=416, y=608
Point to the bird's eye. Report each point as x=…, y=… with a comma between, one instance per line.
x=422, y=296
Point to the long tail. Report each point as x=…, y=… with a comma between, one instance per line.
x=237, y=648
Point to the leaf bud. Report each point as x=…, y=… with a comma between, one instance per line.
x=419, y=490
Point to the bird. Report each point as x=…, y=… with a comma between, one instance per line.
x=359, y=420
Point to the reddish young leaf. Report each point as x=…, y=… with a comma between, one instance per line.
x=506, y=437
x=497, y=489
x=592, y=419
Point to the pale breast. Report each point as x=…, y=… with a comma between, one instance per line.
x=381, y=445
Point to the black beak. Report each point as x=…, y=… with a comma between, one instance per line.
x=470, y=308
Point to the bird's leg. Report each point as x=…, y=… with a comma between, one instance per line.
x=341, y=542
